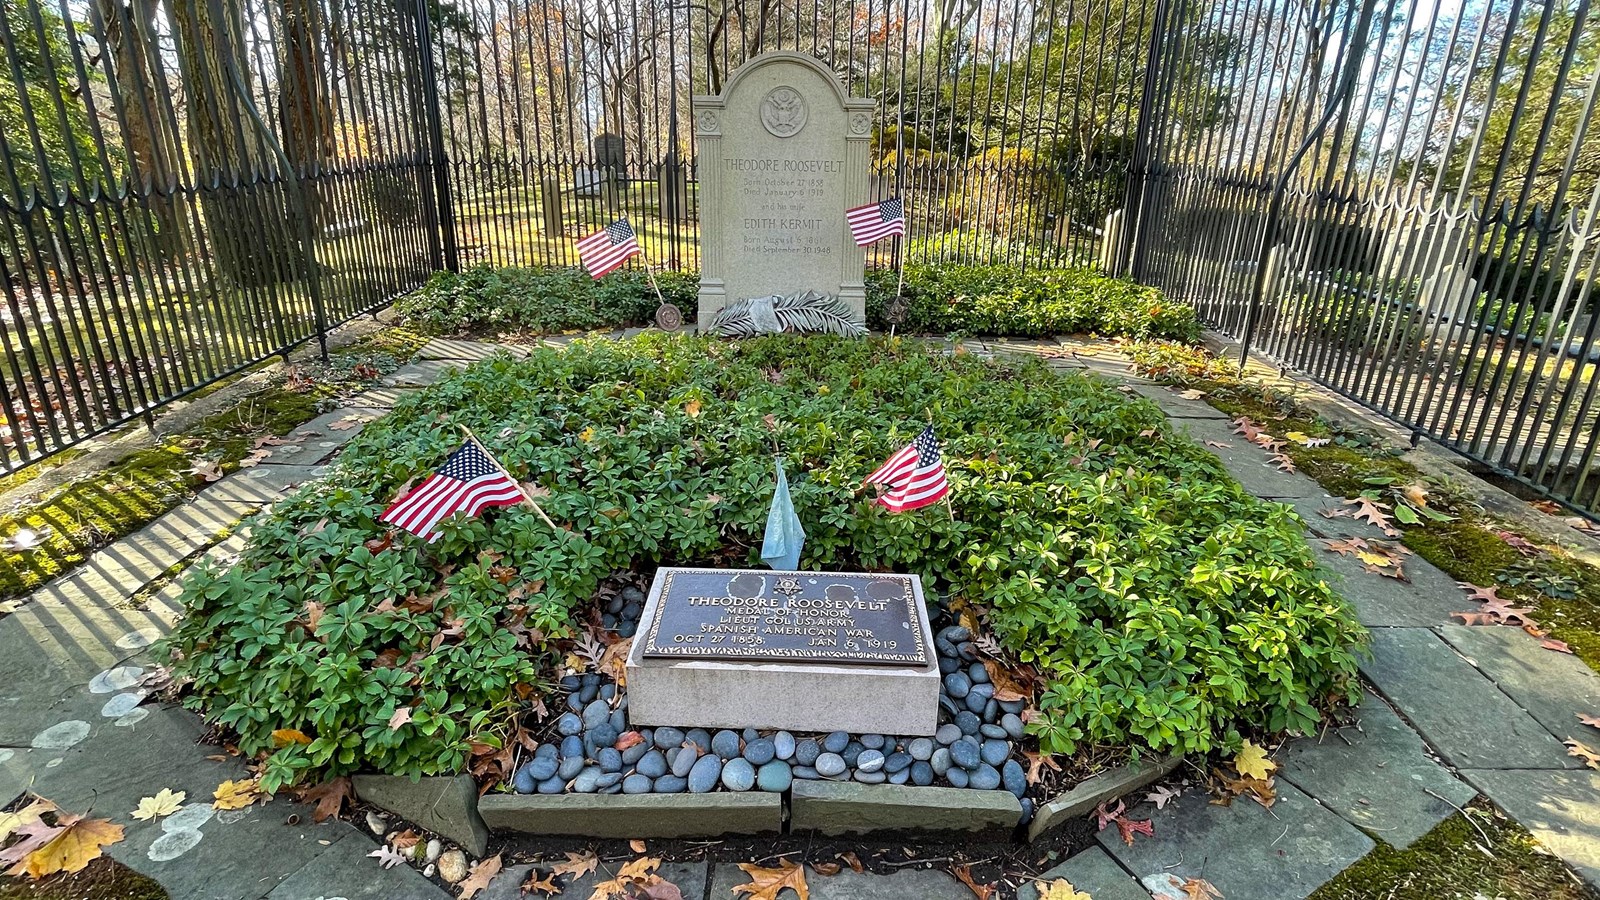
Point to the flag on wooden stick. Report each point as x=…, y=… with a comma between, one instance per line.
x=608, y=248
x=876, y=221
x=914, y=476
x=470, y=481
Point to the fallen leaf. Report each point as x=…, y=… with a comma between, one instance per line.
x=1557, y=646
x=236, y=794
x=1479, y=594
x=853, y=861
x=1036, y=764
x=659, y=889
x=69, y=845
x=1252, y=762
x=829, y=869
x=1519, y=543
x=404, y=840
x=165, y=802
x=577, y=864
x=766, y=884
x=314, y=611
x=626, y=740
x=401, y=716
x=483, y=872
x=692, y=409
x=1192, y=394
x=1130, y=827
x=1009, y=686
x=1585, y=718
x=1221, y=445
x=1161, y=796
x=329, y=796
x=12, y=821
x=349, y=422
x=268, y=441
x=964, y=875
x=635, y=846
x=1200, y=889
x=205, y=470
x=1366, y=509
x=587, y=434
x=387, y=858
x=1285, y=464
x=544, y=884
x=1060, y=889
x=1580, y=750
x=283, y=737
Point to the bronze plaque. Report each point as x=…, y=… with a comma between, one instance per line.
x=756, y=615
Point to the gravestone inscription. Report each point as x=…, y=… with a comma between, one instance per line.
x=801, y=616
x=782, y=154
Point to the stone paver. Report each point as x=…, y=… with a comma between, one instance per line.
x=1461, y=713
x=1319, y=525
x=344, y=870
x=386, y=398
x=446, y=805
x=467, y=351
x=922, y=884
x=1247, y=463
x=1092, y=791
x=1246, y=851
x=1092, y=872
x=1424, y=600
x=690, y=877
x=1175, y=406
x=835, y=808
x=266, y=483
x=1376, y=775
x=1552, y=687
x=421, y=374
x=1562, y=809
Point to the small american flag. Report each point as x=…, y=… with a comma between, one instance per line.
x=876, y=221
x=469, y=481
x=608, y=248
x=914, y=476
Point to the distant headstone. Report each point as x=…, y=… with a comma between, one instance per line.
x=672, y=185
x=818, y=651
x=782, y=154
x=550, y=206
x=611, y=155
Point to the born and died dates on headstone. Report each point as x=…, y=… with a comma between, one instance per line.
x=787, y=616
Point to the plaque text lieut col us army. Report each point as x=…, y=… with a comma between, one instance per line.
x=787, y=616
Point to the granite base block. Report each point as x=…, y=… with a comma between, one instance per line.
x=446, y=805
x=835, y=808
x=1091, y=792
x=634, y=815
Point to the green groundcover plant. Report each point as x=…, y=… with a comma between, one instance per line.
x=1163, y=606
x=941, y=298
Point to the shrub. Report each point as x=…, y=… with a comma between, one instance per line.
x=1011, y=302
x=541, y=300
x=1163, y=605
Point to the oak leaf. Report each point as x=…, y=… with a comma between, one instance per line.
x=1220, y=445
x=1579, y=750
x=964, y=875
x=577, y=864
x=236, y=794
x=1479, y=594
x=329, y=796
x=828, y=869
x=544, y=884
x=205, y=470
x=1060, y=889
x=483, y=872
x=1373, y=513
x=69, y=845
x=1585, y=718
x=1161, y=796
x=766, y=884
x=387, y=858
x=1252, y=762
x=1200, y=889
x=1285, y=464
x=165, y=802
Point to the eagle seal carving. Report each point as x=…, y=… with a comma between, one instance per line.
x=783, y=111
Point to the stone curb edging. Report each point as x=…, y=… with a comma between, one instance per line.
x=450, y=806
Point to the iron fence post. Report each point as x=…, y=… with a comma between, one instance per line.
x=437, y=203
x=1130, y=254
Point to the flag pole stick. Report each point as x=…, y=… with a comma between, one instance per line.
x=900, y=287
x=948, y=506
x=524, y=491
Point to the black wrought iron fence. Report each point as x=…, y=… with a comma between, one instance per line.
x=1397, y=196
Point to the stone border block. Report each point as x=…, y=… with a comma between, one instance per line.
x=634, y=815
x=1097, y=789
x=446, y=804
x=842, y=807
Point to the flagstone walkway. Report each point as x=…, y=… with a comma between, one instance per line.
x=1455, y=711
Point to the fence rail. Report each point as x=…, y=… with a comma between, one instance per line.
x=1399, y=197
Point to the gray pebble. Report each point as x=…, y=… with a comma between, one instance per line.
x=575, y=702
x=700, y=738
x=979, y=674
x=635, y=753
x=806, y=752
x=750, y=734
x=1014, y=779
x=546, y=750
x=957, y=685
x=668, y=737
x=703, y=777
x=608, y=692
x=1027, y=811
x=1013, y=726
x=652, y=764
x=956, y=634
x=830, y=765
x=940, y=761
x=524, y=782
x=572, y=745
x=966, y=753
x=948, y=663
x=921, y=773
x=569, y=723
x=542, y=767
x=631, y=594
x=872, y=741
x=637, y=784
x=897, y=762
x=760, y=751
x=996, y=752
x=968, y=722
x=609, y=760
x=783, y=745
x=985, y=778
x=947, y=650
x=948, y=734
x=569, y=768
x=920, y=749
x=725, y=744
x=836, y=742
x=1015, y=707
x=871, y=777
x=670, y=784
x=852, y=754
x=595, y=713
x=602, y=735
x=738, y=775
x=588, y=781
x=992, y=731
x=609, y=780
x=683, y=762
x=957, y=777
x=806, y=772
x=991, y=711
x=900, y=777
x=774, y=777
x=947, y=705
x=619, y=720
x=976, y=702
x=555, y=785
x=869, y=761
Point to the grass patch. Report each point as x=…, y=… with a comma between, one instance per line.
x=78, y=517
x=1162, y=605
x=1453, y=862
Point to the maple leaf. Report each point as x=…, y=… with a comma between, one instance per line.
x=69, y=845
x=964, y=875
x=12, y=821
x=236, y=794
x=1476, y=618
x=329, y=796
x=1009, y=686
x=483, y=872
x=1161, y=796
x=1130, y=827
x=765, y=884
x=387, y=858
x=401, y=717
x=1200, y=889
x=1060, y=889
x=1580, y=750
x=577, y=864
x=1252, y=762
x=165, y=802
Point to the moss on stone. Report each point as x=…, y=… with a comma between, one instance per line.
x=1463, y=548
x=1448, y=864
